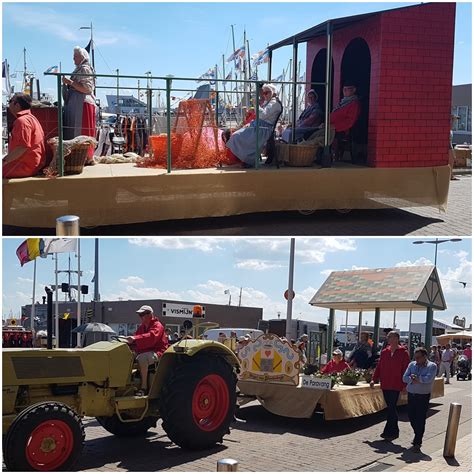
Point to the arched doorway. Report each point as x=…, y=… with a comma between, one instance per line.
x=318, y=74
x=355, y=68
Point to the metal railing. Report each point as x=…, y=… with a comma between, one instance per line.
x=168, y=88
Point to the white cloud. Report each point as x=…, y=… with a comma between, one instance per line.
x=328, y=271
x=258, y=265
x=24, y=280
x=66, y=27
x=132, y=280
x=416, y=263
x=173, y=243
x=133, y=293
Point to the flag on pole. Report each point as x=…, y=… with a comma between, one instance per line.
x=89, y=46
x=30, y=249
x=261, y=57
x=210, y=74
x=229, y=76
x=279, y=78
x=240, y=52
x=52, y=69
x=59, y=245
x=254, y=77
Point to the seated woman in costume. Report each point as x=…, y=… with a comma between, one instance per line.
x=309, y=120
x=243, y=143
x=342, y=118
x=336, y=364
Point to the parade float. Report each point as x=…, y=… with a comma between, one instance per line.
x=271, y=368
x=402, y=63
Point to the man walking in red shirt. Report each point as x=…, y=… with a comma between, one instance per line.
x=149, y=342
x=393, y=362
x=26, y=149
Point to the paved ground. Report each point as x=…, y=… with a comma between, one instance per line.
x=416, y=221
x=265, y=442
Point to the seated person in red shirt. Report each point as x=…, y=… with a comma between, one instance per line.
x=342, y=118
x=149, y=342
x=26, y=151
x=345, y=115
x=336, y=364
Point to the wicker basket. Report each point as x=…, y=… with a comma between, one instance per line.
x=296, y=155
x=75, y=161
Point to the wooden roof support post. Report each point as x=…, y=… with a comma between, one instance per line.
x=376, y=327
x=429, y=327
x=332, y=317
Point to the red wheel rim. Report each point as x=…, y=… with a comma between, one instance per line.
x=49, y=445
x=210, y=402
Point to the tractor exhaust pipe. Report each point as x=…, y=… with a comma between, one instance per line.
x=49, y=320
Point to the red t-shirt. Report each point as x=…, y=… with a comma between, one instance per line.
x=332, y=367
x=26, y=132
x=151, y=338
x=391, y=368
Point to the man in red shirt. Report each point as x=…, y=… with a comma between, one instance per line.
x=468, y=352
x=26, y=151
x=336, y=364
x=149, y=342
x=346, y=113
x=393, y=363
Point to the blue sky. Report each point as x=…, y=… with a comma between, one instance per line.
x=183, y=39
x=200, y=269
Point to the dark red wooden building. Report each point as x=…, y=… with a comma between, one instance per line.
x=402, y=62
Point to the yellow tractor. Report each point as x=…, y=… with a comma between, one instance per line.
x=46, y=393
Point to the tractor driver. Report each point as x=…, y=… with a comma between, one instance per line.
x=149, y=342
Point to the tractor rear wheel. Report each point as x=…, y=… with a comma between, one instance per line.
x=135, y=428
x=198, y=401
x=47, y=436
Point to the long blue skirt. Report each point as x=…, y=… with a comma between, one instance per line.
x=243, y=143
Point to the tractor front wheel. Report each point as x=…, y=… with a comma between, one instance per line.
x=135, y=428
x=198, y=402
x=47, y=436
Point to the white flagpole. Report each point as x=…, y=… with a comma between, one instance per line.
x=33, y=307
x=79, y=339
x=56, y=303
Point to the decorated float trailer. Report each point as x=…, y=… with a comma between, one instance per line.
x=270, y=372
x=402, y=62
x=270, y=368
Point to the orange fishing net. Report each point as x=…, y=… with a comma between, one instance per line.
x=196, y=141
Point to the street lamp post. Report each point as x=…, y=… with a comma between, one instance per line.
x=91, y=42
x=436, y=242
x=429, y=309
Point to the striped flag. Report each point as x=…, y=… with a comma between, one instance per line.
x=261, y=57
x=240, y=52
x=52, y=69
x=253, y=77
x=229, y=76
x=210, y=74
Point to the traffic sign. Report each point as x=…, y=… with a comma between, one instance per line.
x=287, y=293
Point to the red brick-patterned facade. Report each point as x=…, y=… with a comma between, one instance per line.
x=411, y=53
